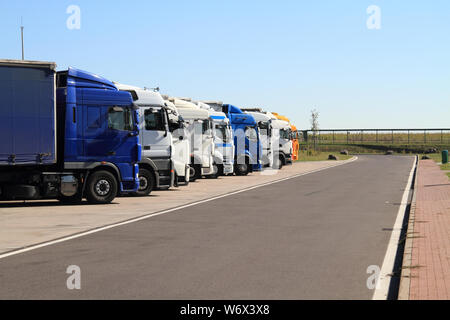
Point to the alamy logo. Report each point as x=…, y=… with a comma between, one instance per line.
x=374, y=20
x=74, y=280
x=372, y=281
x=73, y=22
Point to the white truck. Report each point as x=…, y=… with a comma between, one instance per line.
x=201, y=139
x=181, y=145
x=160, y=166
x=282, y=133
x=223, y=140
x=269, y=140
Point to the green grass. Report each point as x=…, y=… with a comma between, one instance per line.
x=395, y=138
x=320, y=156
x=379, y=148
x=435, y=156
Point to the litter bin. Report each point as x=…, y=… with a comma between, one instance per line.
x=444, y=156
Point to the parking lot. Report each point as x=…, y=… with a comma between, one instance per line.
x=27, y=223
x=288, y=236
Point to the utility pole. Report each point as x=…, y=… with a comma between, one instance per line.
x=21, y=36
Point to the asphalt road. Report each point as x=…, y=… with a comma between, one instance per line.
x=311, y=237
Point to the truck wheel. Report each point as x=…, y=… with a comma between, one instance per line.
x=242, y=169
x=146, y=182
x=220, y=170
x=101, y=187
x=196, y=172
x=176, y=179
x=191, y=174
x=215, y=175
x=277, y=163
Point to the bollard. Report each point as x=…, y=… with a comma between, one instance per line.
x=444, y=156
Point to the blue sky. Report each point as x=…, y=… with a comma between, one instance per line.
x=285, y=56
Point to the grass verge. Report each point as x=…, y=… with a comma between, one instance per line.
x=437, y=157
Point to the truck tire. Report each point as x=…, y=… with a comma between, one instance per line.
x=196, y=172
x=101, y=187
x=146, y=183
x=242, y=169
x=278, y=163
x=215, y=175
x=182, y=180
x=175, y=181
x=220, y=170
x=191, y=174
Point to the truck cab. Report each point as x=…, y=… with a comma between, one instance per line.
x=294, y=136
x=282, y=132
x=156, y=168
x=268, y=142
x=295, y=143
x=181, y=144
x=75, y=135
x=223, y=140
x=199, y=127
x=247, y=144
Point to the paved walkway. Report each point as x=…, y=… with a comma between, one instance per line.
x=430, y=265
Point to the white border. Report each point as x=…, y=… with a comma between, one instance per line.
x=384, y=279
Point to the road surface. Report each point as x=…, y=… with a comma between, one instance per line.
x=310, y=237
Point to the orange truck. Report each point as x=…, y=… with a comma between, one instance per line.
x=294, y=136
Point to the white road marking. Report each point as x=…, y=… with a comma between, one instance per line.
x=147, y=216
x=384, y=280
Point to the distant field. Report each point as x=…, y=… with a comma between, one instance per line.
x=373, y=148
x=391, y=138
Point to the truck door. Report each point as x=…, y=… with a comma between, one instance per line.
x=266, y=141
x=156, y=138
x=108, y=140
x=207, y=143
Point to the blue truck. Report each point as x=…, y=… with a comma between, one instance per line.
x=66, y=135
x=247, y=144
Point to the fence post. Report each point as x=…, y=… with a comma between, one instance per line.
x=392, y=136
x=408, y=137
x=347, y=136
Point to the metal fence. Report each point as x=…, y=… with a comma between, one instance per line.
x=440, y=136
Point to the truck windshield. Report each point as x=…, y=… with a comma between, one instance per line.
x=154, y=120
x=120, y=119
x=221, y=131
x=285, y=134
x=251, y=133
x=264, y=128
x=205, y=127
